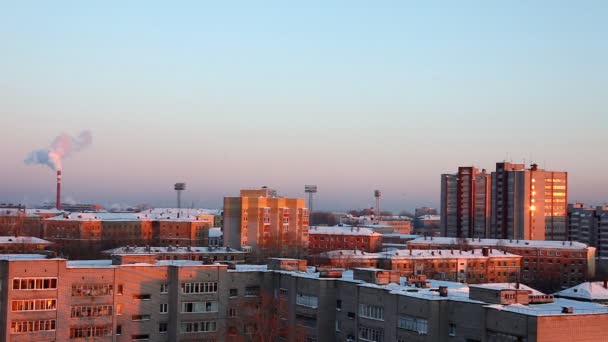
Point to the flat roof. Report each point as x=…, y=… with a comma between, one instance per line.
x=448, y=241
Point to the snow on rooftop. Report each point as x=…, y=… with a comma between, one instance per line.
x=89, y=263
x=429, y=218
x=555, y=308
x=215, y=232
x=591, y=291
x=22, y=257
x=508, y=286
x=498, y=243
x=342, y=230
x=166, y=214
x=174, y=250
x=23, y=240
x=250, y=268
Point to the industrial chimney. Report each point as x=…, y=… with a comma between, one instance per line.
x=58, y=203
x=377, y=194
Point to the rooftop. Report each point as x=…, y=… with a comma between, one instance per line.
x=589, y=291
x=448, y=241
x=10, y=257
x=342, y=230
x=22, y=240
x=170, y=249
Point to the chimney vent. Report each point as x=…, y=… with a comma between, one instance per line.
x=443, y=291
x=567, y=310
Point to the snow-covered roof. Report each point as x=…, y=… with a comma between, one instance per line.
x=507, y=286
x=189, y=215
x=172, y=250
x=415, y=254
x=590, y=291
x=342, y=230
x=215, y=232
x=429, y=218
x=250, y=268
x=555, y=308
x=23, y=240
x=89, y=263
x=22, y=257
x=448, y=241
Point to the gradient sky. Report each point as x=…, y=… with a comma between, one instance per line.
x=348, y=96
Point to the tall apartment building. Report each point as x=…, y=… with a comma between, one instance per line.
x=529, y=203
x=60, y=300
x=589, y=225
x=510, y=203
x=261, y=219
x=465, y=203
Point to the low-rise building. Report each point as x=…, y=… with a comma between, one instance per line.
x=548, y=265
x=206, y=254
x=22, y=244
x=323, y=239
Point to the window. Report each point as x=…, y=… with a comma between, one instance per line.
x=452, y=329
x=283, y=292
x=164, y=288
x=18, y=327
x=119, y=290
x=34, y=305
x=252, y=291
x=140, y=337
x=91, y=311
x=164, y=308
x=414, y=324
x=208, y=287
x=232, y=312
x=142, y=296
x=339, y=304
x=307, y=300
x=162, y=327
x=34, y=283
x=371, y=334
x=140, y=317
x=199, y=307
x=85, y=290
x=338, y=325
x=119, y=330
x=371, y=311
x=234, y=292
x=90, y=331
x=194, y=327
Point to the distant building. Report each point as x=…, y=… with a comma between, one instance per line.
x=510, y=203
x=427, y=225
x=465, y=203
x=22, y=244
x=425, y=211
x=21, y=221
x=593, y=291
x=589, y=225
x=270, y=224
x=323, y=239
x=216, y=237
x=131, y=254
x=545, y=264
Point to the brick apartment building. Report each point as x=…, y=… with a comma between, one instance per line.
x=207, y=254
x=324, y=239
x=59, y=300
x=474, y=266
x=16, y=220
x=85, y=234
x=262, y=220
x=545, y=264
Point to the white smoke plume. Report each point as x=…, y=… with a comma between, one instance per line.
x=63, y=146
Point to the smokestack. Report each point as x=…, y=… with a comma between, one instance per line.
x=58, y=204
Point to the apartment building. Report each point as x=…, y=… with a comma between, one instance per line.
x=323, y=239
x=60, y=300
x=84, y=235
x=512, y=202
x=545, y=264
x=17, y=220
x=483, y=265
x=206, y=254
x=465, y=203
x=22, y=244
x=259, y=218
x=589, y=225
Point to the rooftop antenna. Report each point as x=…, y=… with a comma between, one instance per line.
x=310, y=190
x=179, y=187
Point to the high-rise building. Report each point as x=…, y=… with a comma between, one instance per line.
x=465, y=199
x=589, y=225
x=260, y=219
x=528, y=203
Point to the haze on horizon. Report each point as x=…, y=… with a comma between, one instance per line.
x=346, y=96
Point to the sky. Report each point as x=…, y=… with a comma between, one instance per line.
x=349, y=95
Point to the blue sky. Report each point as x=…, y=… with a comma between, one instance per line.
x=350, y=95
